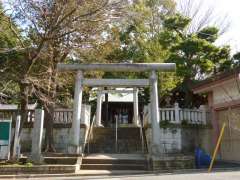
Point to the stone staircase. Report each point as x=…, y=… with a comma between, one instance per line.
x=53, y=163
x=56, y=158
x=103, y=140
x=130, y=162
x=103, y=154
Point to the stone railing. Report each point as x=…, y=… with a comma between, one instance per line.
x=64, y=116
x=12, y=114
x=178, y=115
x=61, y=116
x=10, y=111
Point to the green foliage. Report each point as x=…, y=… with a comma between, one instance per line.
x=195, y=54
x=7, y=38
x=151, y=35
x=184, y=124
x=29, y=164
x=150, y=31
x=237, y=56
x=176, y=22
x=209, y=33
x=10, y=59
x=138, y=40
x=236, y=59
x=167, y=124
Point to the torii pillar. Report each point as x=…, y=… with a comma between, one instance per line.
x=99, y=109
x=75, y=144
x=156, y=149
x=135, y=107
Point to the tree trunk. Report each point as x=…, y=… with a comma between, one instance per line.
x=49, y=121
x=49, y=115
x=23, y=106
x=188, y=93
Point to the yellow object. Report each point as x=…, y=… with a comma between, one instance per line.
x=217, y=147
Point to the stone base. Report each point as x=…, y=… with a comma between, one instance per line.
x=156, y=150
x=98, y=125
x=36, y=159
x=173, y=162
x=72, y=149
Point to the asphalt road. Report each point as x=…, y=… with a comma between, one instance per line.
x=229, y=175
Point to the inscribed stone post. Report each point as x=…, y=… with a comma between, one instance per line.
x=37, y=134
x=16, y=147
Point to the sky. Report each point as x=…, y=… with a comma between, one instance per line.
x=231, y=9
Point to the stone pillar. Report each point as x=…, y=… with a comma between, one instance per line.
x=177, y=115
x=106, y=106
x=75, y=146
x=37, y=134
x=16, y=147
x=99, y=109
x=156, y=149
x=135, y=107
x=204, y=114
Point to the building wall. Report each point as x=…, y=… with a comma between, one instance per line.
x=226, y=108
x=226, y=92
x=230, y=145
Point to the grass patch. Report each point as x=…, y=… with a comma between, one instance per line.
x=15, y=164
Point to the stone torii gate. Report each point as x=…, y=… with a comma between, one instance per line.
x=80, y=81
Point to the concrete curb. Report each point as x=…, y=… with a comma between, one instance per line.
x=38, y=169
x=83, y=173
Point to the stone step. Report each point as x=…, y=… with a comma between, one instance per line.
x=97, y=136
x=113, y=167
x=112, y=130
x=103, y=140
x=114, y=162
x=56, y=160
x=120, y=142
x=61, y=160
x=46, y=154
x=94, y=148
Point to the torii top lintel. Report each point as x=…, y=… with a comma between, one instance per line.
x=118, y=67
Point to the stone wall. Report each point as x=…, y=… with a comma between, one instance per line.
x=197, y=137
x=61, y=138
x=173, y=163
x=176, y=140
x=170, y=139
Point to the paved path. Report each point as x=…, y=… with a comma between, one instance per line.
x=230, y=175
